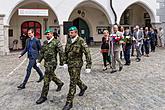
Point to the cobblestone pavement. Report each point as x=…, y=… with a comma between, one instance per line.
x=140, y=86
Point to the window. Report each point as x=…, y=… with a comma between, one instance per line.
x=125, y=19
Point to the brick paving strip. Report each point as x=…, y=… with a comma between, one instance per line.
x=12, y=72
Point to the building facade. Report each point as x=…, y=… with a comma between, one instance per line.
x=90, y=16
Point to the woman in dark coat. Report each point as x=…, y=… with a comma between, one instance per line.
x=105, y=49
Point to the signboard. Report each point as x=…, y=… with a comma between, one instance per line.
x=33, y=12
x=100, y=29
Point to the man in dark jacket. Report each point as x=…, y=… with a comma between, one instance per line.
x=32, y=47
x=153, y=36
x=23, y=38
x=127, y=47
x=147, y=41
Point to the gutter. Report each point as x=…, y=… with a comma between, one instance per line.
x=113, y=11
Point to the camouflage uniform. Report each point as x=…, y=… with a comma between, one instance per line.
x=73, y=57
x=49, y=54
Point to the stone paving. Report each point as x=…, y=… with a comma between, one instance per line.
x=140, y=86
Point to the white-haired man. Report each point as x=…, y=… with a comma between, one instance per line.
x=139, y=36
x=116, y=48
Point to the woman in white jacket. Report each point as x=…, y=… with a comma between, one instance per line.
x=161, y=41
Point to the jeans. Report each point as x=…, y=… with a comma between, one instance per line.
x=32, y=64
x=152, y=46
x=146, y=46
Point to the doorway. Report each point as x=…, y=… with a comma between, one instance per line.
x=83, y=28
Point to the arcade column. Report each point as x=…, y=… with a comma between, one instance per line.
x=4, y=47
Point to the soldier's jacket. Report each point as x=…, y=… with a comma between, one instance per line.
x=74, y=53
x=49, y=53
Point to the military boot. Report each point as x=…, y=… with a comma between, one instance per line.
x=82, y=91
x=41, y=100
x=68, y=106
x=59, y=87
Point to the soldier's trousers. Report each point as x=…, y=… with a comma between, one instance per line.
x=49, y=76
x=74, y=80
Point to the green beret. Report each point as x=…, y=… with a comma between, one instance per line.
x=48, y=30
x=73, y=28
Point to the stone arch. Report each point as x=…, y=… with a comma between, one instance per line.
x=92, y=10
x=24, y=2
x=94, y=4
x=143, y=5
x=45, y=21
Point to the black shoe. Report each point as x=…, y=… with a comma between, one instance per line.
x=40, y=79
x=104, y=68
x=41, y=100
x=138, y=60
x=120, y=68
x=68, y=106
x=127, y=64
x=113, y=71
x=82, y=91
x=147, y=55
x=111, y=66
x=21, y=86
x=59, y=87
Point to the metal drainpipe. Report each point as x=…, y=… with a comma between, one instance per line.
x=113, y=11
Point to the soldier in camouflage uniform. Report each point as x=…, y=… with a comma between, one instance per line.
x=74, y=50
x=49, y=52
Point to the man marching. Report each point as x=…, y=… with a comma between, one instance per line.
x=49, y=52
x=74, y=50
